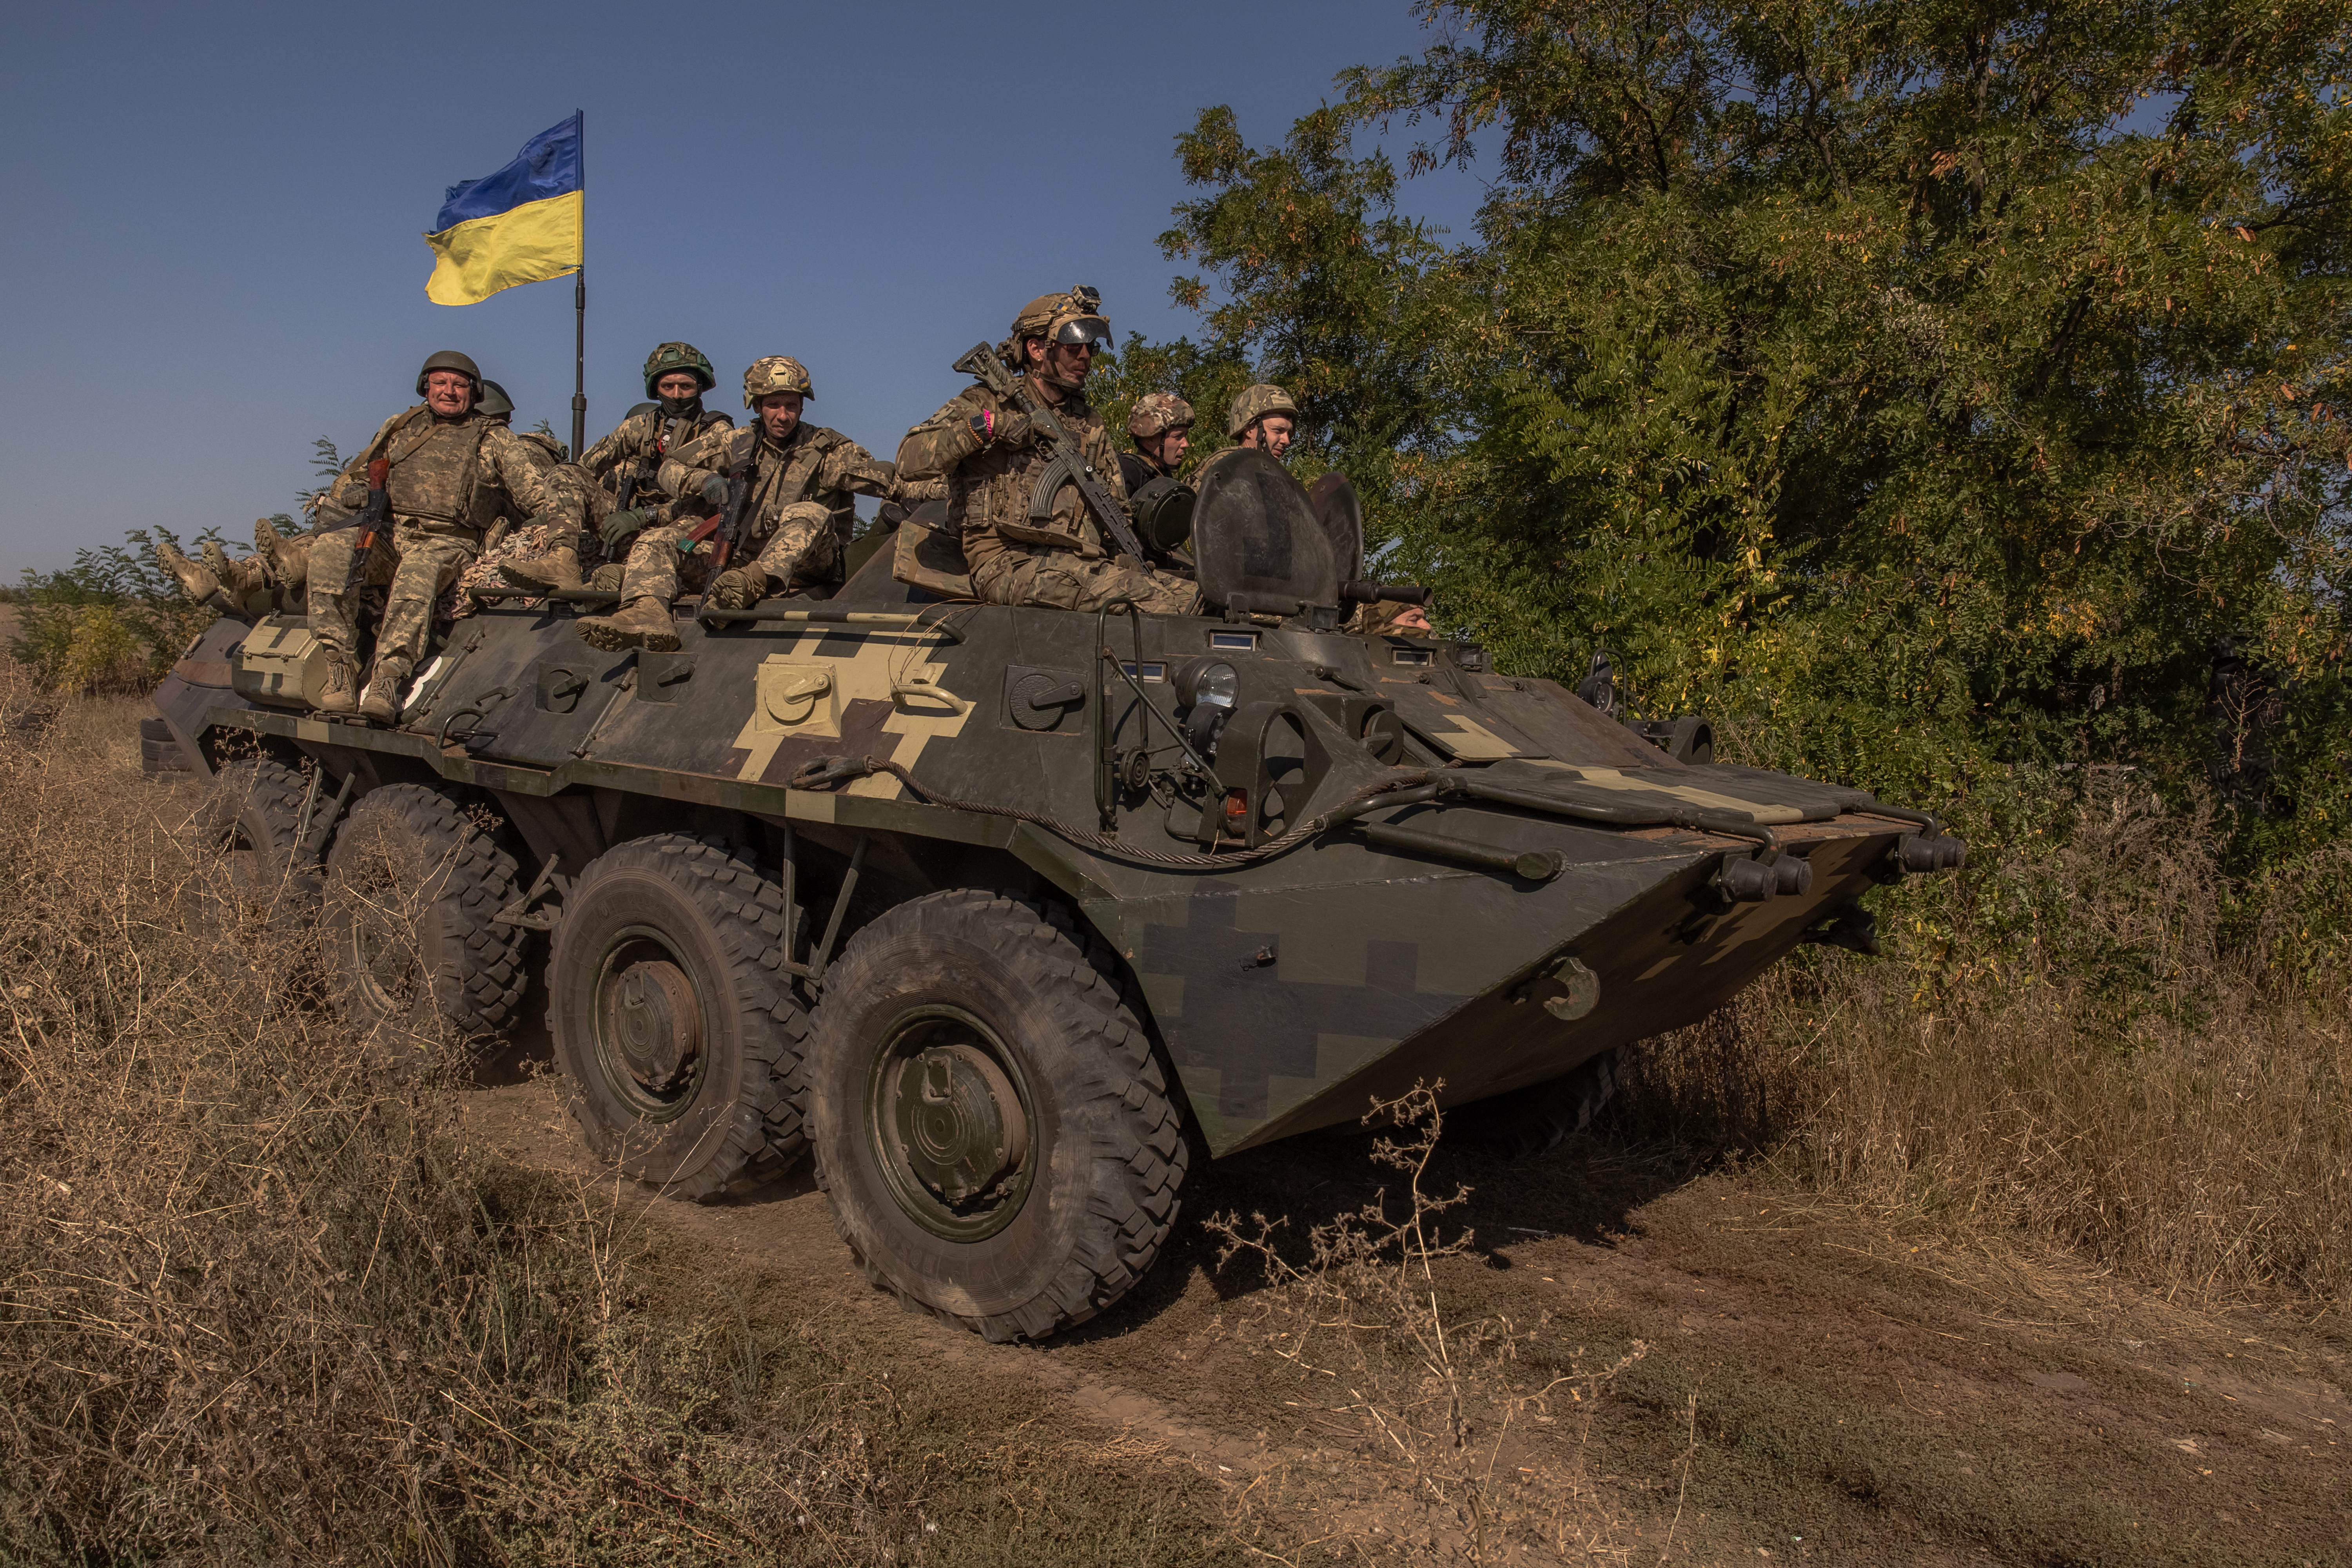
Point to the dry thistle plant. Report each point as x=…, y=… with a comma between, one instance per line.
x=1473, y=1453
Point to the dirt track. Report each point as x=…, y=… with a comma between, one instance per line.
x=1811, y=1385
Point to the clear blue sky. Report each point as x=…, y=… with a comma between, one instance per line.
x=216, y=258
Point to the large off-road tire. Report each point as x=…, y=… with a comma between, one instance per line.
x=1536, y=1121
x=413, y=885
x=250, y=814
x=679, y=1035
x=989, y=1120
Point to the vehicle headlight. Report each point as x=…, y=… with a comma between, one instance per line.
x=1211, y=681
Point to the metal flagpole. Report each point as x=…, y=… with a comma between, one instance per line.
x=580, y=310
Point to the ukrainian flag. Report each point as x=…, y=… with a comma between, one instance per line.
x=521, y=224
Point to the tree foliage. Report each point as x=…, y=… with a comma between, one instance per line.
x=1938, y=390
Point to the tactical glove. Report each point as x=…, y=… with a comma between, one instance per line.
x=1007, y=428
x=714, y=488
x=738, y=589
x=619, y=527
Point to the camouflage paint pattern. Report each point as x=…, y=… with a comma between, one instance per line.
x=1286, y=990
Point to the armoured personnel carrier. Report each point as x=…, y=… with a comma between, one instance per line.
x=1007, y=915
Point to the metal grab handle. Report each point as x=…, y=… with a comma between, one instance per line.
x=928, y=691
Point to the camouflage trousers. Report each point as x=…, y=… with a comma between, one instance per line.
x=411, y=565
x=802, y=549
x=1064, y=580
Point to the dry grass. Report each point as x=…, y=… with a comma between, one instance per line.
x=2103, y=1045
x=1468, y=1440
x=260, y=1303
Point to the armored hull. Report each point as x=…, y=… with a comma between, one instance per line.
x=1287, y=988
x=955, y=888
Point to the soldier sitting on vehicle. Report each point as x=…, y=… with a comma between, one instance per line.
x=625, y=464
x=1263, y=416
x=993, y=453
x=1161, y=426
x=452, y=471
x=515, y=542
x=796, y=513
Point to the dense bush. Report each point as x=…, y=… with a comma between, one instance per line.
x=1948, y=394
x=113, y=621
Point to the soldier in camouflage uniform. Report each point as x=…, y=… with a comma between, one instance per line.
x=453, y=472
x=991, y=460
x=677, y=375
x=581, y=501
x=796, y=522
x=1263, y=416
x=1161, y=426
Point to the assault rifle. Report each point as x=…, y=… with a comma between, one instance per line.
x=629, y=483
x=730, y=522
x=1069, y=465
x=372, y=520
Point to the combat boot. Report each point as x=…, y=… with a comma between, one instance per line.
x=289, y=560
x=559, y=568
x=195, y=579
x=643, y=622
x=335, y=693
x=217, y=562
x=379, y=703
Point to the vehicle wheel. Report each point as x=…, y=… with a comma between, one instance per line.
x=413, y=883
x=1531, y=1121
x=676, y=1028
x=250, y=814
x=988, y=1121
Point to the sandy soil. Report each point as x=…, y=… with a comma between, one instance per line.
x=1804, y=1383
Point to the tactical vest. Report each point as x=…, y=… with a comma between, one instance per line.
x=780, y=483
x=989, y=492
x=433, y=470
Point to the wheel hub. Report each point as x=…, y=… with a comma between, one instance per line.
x=960, y=1125
x=655, y=1024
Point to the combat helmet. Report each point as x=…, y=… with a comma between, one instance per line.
x=1070, y=318
x=450, y=359
x=1255, y=404
x=492, y=402
x=1074, y=317
x=775, y=372
x=1156, y=413
x=668, y=357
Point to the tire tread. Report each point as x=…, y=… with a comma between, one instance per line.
x=1061, y=957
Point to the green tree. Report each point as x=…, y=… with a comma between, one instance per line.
x=1934, y=388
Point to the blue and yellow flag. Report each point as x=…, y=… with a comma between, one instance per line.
x=521, y=224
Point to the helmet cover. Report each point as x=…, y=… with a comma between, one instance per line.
x=1156, y=413
x=776, y=372
x=1255, y=404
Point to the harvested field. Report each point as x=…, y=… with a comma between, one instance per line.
x=262, y=1301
